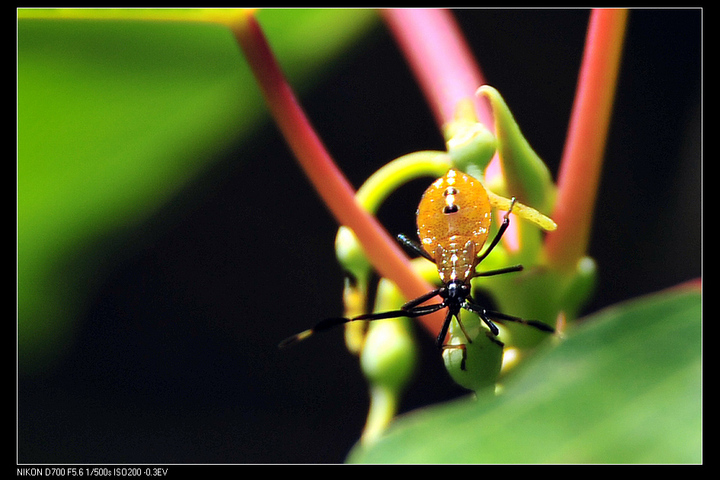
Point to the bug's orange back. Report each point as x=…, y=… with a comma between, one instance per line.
x=453, y=221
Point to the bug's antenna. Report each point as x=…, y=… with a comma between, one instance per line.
x=411, y=309
x=326, y=324
x=414, y=247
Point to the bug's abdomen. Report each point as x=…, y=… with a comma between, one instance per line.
x=453, y=211
x=456, y=262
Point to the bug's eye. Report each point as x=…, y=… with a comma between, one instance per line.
x=450, y=209
x=450, y=191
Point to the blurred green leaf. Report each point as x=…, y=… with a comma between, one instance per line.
x=115, y=117
x=623, y=387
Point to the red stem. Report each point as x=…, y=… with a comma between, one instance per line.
x=334, y=189
x=581, y=164
x=441, y=60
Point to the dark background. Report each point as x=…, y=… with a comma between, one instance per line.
x=177, y=361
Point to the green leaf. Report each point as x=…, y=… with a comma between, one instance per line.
x=115, y=117
x=623, y=387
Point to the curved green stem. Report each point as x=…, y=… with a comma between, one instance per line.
x=398, y=172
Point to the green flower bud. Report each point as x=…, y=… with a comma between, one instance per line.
x=390, y=354
x=470, y=144
x=474, y=365
x=351, y=255
x=388, y=361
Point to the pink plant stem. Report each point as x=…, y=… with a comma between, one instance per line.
x=580, y=168
x=446, y=69
x=334, y=189
x=440, y=58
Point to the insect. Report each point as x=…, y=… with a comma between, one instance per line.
x=453, y=223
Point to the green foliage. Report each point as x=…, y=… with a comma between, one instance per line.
x=526, y=175
x=623, y=387
x=114, y=118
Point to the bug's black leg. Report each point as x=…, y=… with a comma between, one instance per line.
x=462, y=327
x=412, y=312
x=499, y=271
x=499, y=234
x=483, y=314
x=533, y=323
x=421, y=299
x=443, y=331
x=414, y=247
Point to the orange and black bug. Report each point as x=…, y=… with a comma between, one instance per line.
x=453, y=221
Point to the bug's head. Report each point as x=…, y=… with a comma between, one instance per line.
x=456, y=290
